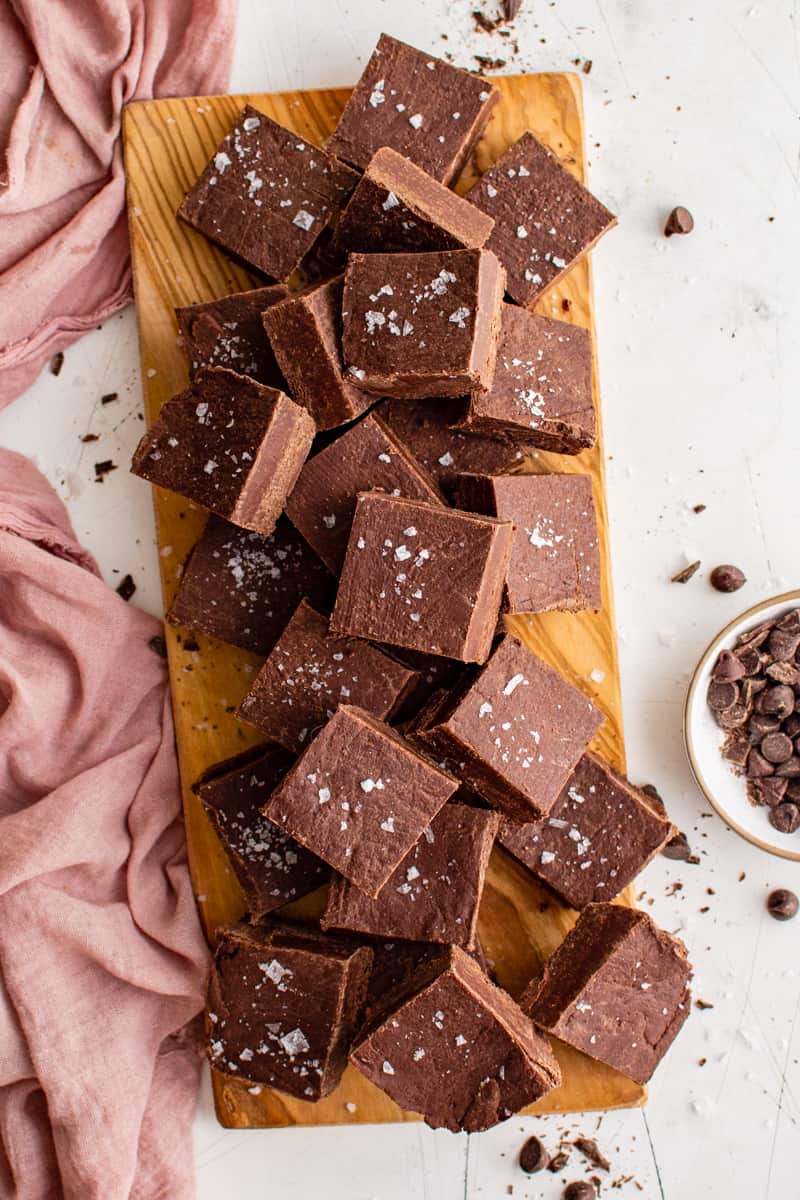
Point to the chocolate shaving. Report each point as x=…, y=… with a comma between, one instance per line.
x=684, y=575
x=590, y=1149
x=101, y=469
x=56, y=363
x=511, y=8
x=109, y=398
x=489, y=64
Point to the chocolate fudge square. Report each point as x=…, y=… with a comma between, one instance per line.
x=230, y=445
x=242, y=588
x=359, y=797
x=422, y=325
x=398, y=207
x=267, y=195
x=423, y=108
x=305, y=333
x=544, y=219
x=601, y=832
x=272, y=868
x=310, y=671
x=555, y=555
x=229, y=333
x=368, y=457
x=542, y=388
x=617, y=988
x=422, y=577
x=434, y=894
x=284, y=1004
x=513, y=733
x=457, y=1049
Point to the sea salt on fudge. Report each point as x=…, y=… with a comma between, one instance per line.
x=601, y=832
x=542, y=388
x=544, y=219
x=230, y=445
x=434, y=894
x=267, y=195
x=422, y=576
x=310, y=671
x=513, y=733
x=456, y=1048
x=359, y=797
x=368, y=457
x=272, y=868
x=242, y=588
x=420, y=106
x=398, y=207
x=617, y=988
x=228, y=333
x=284, y=1004
x=555, y=555
x=305, y=333
x=422, y=325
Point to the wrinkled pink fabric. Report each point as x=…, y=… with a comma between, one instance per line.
x=102, y=961
x=67, y=67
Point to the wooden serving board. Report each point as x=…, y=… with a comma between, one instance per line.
x=167, y=143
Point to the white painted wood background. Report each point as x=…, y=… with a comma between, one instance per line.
x=697, y=104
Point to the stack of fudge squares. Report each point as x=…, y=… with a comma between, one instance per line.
x=353, y=440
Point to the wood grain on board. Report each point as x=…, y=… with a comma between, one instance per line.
x=167, y=143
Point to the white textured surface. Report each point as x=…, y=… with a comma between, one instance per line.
x=694, y=104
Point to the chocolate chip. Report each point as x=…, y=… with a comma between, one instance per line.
x=784, y=672
x=777, y=747
x=109, y=398
x=558, y=1162
x=722, y=696
x=760, y=724
x=769, y=791
x=126, y=587
x=790, y=621
x=789, y=769
x=733, y=717
x=750, y=659
x=590, y=1148
x=756, y=635
x=736, y=749
x=728, y=668
x=581, y=1189
x=56, y=363
x=686, y=573
x=727, y=578
x=677, y=848
x=791, y=725
x=533, y=1157
x=757, y=765
x=782, y=644
x=785, y=817
x=793, y=790
x=680, y=220
x=778, y=701
x=782, y=904
x=654, y=796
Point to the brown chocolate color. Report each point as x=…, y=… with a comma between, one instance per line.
x=359, y=797
x=456, y=1048
x=423, y=577
x=284, y=1004
x=545, y=220
x=267, y=195
x=617, y=988
x=420, y=106
x=422, y=325
x=228, y=333
x=393, y=964
x=230, y=445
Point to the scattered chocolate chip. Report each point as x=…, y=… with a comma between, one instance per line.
x=777, y=701
x=101, y=469
x=109, y=398
x=769, y=791
x=784, y=672
x=581, y=1189
x=733, y=717
x=736, y=749
x=91, y=437
x=157, y=644
x=782, y=904
x=782, y=644
x=56, y=363
x=698, y=508
x=703, y=1004
x=727, y=578
x=757, y=765
x=590, y=1149
x=777, y=747
x=761, y=724
x=728, y=668
x=784, y=817
x=489, y=64
x=722, y=696
x=684, y=575
x=680, y=220
x=126, y=587
x=533, y=1157
x=558, y=1162
x=678, y=848
x=789, y=769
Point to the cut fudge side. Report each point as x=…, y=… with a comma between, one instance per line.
x=555, y=556
x=305, y=333
x=544, y=219
x=422, y=325
x=398, y=207
x=310, y=671
x=284, y=1004
x=434, y=894
x=457, y=1049
x=229, y=333
x=617, y=988
x=267, y=195
x=422, y=107
x=514, y=732
x=542, y=388
x=230, y=445
x=368, y=457
x=601, y=832
x=359, y=797
x=423, y=577
x=272, y=868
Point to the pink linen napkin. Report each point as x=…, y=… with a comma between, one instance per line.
x=102, y=960
x=67, y=67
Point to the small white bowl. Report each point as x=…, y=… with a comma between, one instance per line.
x=725, y=790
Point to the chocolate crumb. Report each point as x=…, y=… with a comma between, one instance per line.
x=101, y=469
x=558, y=1162
x=566, y=304
x=680, y=220
x=727, y=578
x=702, y=1004
x=581, y=1189
x=56, y=363
x=678, y=848
x=109, y=398
x=126, y=587
x=782, y=904
x=742, y=876
x=698, y=508
x=686, y=573
x=701, y=1062
x=587, y=67
x=157, y=644
x=590, y=1149
x=489, y=64
x=91, y=437
x=533, y=1157
x=511, y=8
x=484, y=22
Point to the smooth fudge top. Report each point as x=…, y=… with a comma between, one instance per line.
x=422, y=576
x=359, y=797
x=617, y=988
x=420, y=106
x=310, y=671
x=228, y=333
x=456, y=1048
x=267, y=194
x=434, y=894
x=601, y=832
x=544, y=219
x=514, y=732
x=271, y=867
x=422, y=325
